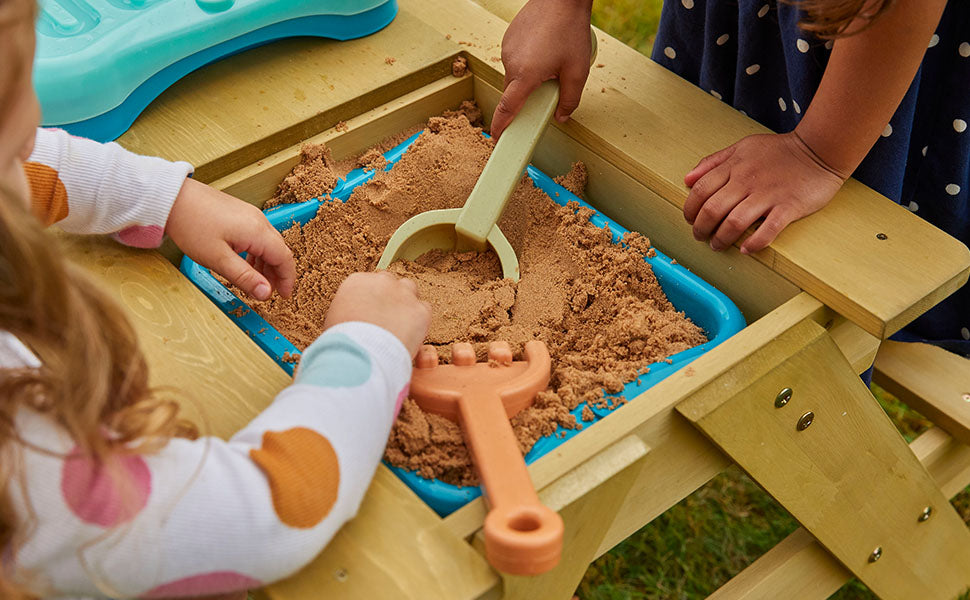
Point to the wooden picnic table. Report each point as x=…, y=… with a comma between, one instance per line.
x=818, y=302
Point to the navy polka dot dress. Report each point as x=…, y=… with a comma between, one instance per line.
x=752, y=55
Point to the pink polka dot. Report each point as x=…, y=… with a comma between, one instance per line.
x=138, y=236
x=219, y=582
x=100, y=497
x=401, y=397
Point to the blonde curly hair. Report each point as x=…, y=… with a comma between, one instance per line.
x=93, y=378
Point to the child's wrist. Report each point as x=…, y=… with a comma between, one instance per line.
x=816, y=151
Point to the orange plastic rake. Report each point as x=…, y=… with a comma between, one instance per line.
x=522, y=536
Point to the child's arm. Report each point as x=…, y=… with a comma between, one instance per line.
x=208, y=516
x=786, y=177
x=547, y=39
x=87, y=187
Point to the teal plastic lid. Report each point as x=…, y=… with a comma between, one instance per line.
x=98, y=56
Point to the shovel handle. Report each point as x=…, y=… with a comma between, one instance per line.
x=512, y=153
x=504, y=168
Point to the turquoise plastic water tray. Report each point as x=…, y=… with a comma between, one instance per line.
x=99, y=63
x=707, y=307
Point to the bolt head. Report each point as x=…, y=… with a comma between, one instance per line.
x=876, y=554
x=805, y=421
x=925, y=515
x=783, y=397
x=882, y=236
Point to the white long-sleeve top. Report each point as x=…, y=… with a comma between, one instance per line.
x=205, y=516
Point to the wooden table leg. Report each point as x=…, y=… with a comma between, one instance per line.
x=829, y=454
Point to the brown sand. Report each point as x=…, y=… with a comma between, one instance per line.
x=459, y=67
x=597, y=306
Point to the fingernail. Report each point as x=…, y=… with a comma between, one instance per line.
x=744, y=250
x=562, y=118
x=262, y=291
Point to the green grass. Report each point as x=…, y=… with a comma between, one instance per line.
x=713, y=534
x=632, y=21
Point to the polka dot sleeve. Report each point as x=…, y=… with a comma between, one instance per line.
x=211, y=516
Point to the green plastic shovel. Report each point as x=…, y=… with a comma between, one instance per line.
x=473, y=227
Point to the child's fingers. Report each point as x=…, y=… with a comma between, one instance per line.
x=706, y=164
x=714, y=210
x=241, y=274
x=737, y=222
x=571, y=82
x=511, y=102
x=704, y=188
x=410, y=286
x=780, y=217
x=260, y=268
x=283, y=286
x=277, y=258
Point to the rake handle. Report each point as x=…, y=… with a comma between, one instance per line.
x=522, y=535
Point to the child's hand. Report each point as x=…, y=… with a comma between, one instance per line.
x=386, y=301
x=548, y=39
x=775, y=176
x=212, y=228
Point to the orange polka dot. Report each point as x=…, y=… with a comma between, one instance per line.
x=303, y=474
x=48, y=197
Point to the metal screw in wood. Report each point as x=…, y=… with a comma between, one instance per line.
x=882, y=236
x=925, y=515
x=966, y=397
x=805, y=421
x=783, y=397
x=876, y=554
x=341, y=575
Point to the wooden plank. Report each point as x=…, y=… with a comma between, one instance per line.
x=930, y=380
x=396, y=547
x=221, y=377
x=799, y=567
x=655, y=126
x=238, y=110
x=848, y=478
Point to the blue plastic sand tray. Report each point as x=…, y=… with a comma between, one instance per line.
x=703, y=304
x=99, y=63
